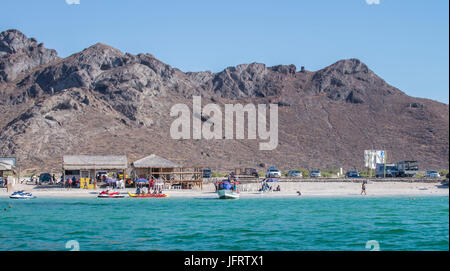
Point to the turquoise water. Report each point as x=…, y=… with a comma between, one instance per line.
x=399, y=223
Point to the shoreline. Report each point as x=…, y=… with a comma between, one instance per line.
x=288, y=190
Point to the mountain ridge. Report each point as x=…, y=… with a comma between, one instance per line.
x=101, y=97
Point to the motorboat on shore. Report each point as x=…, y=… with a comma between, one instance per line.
x=147, y=195
x=107, y=194
x=22, y=195
x=227, y=189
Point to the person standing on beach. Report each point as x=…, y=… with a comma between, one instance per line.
x=363, y=188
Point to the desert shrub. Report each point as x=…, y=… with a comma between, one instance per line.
x=305, y=172
x=217, y=175
x=420, y=175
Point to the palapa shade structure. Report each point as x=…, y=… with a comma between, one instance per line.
x=7, y=164
x=88, y=165
x=98, y=162
x=171, y=173
x=155, y=161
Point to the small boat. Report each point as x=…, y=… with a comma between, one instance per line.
x=107, y=194
x=228, y=190
x=22, y=195
x=147, y=195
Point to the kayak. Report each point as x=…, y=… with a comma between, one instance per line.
x=106, y=194
x=147, y=195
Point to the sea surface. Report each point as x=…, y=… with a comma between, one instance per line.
x=262, y=224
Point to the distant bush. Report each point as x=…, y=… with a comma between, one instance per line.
x=366, y=174
x=443, y=172
x=329, y=173
x=217, y=175
x=419, y=175
x=305, y=172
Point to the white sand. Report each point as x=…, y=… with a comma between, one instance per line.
x=288, y=189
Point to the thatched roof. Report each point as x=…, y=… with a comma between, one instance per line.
x=7, y=163
x=154, y=161
x=76, y=162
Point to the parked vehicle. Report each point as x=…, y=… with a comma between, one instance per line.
x=246, y=172
x=432, y=174
x=352, y=174
x=391, y=171
x=315, y=173
x=207, y=173
x=273, y=172
x=407, y=168
x=45, y=178
x=295, y=173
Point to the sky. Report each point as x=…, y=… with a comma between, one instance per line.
x=405, y=42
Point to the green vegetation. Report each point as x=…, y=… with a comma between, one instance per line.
x=329, y=173
x=305, y=172
x=420, y=175
x=443, y=172
x=217, y=175
x=366, y=173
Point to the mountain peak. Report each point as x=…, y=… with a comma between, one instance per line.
x=20, y=54
x=349, y=66
x=12, y=41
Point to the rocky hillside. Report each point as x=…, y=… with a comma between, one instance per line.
x=103, y=101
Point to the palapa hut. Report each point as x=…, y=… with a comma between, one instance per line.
x=172, y=174
x=7, y=164
x=86, y=167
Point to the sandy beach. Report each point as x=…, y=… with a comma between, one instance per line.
x=288, y=189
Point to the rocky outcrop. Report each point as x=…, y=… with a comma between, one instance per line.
x=20, y=54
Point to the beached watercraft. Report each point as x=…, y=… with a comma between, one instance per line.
x=147, y=195
x=22, y=195
x=107, y=194
x=228, y=190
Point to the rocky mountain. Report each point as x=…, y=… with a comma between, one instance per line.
x=103, y=101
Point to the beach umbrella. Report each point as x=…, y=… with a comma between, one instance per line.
x=110, y=180
x=271, y=180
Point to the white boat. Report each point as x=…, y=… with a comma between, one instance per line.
x=228, y=190
x=228, y=194
x=22, y=195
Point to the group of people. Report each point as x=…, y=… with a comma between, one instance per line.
x=72, y=182
x=151, y=189
x=265, y=187
x=117, y=184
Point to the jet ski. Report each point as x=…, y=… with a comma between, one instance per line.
x=22, y=195
x=107, y=194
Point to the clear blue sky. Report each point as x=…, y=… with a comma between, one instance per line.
x=406, y=42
